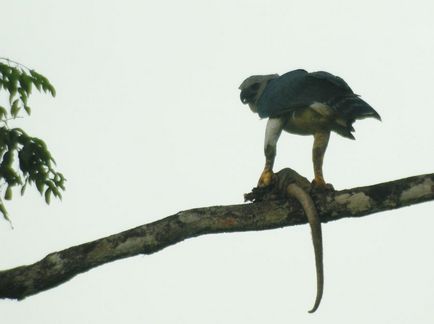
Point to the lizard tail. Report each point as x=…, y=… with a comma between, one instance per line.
x=315, y=225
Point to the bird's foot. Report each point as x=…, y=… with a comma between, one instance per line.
x=266, y=178
x=321, y=185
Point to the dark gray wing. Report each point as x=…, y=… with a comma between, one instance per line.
x=336, y=81
x=299, y=89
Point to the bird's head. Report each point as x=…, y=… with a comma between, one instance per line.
x=252, y=88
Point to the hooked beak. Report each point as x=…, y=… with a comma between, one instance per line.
x=243, y=97
x=247, y=95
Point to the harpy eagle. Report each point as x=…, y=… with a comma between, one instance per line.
x=303, y=103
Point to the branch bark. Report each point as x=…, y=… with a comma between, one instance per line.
x=268, y=212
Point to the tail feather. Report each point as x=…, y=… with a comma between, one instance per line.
x=352, y=107
x=348, y=110
x=345, y=131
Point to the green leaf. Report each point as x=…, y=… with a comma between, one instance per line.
x=8, y=193
x=48, y=196
x=8, y=158
x=26, y=83
x=5, y=84
x=60, y=181
x=3, y=112
x=23, y=188
x=9, y=175
x=15, y=108
x=40, y=185
x=40, y=81
x=34, y=163
x=35, y=74
x=12, y=93
x=37, y=84
x=28, y=110
x=51, y=89
x=23, y=96
x=4, y=212
x=5, y=69
x=13, y=84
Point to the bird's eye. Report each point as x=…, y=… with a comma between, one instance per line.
x=255, y=86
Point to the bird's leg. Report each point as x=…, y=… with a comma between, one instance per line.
x=272, y=133
x=320, y=142
x=267, y=173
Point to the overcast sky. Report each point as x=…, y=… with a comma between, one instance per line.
x=148, y=122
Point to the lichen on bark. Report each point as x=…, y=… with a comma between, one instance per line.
x=269, y=212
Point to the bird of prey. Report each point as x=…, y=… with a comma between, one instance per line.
x=303, y=103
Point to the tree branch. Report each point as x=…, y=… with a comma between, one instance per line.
x=268, y=212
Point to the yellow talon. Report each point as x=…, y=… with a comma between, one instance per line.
x=266, y=177
x=319, y=184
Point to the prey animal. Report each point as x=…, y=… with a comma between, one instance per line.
x=303, y=103
x=287, y=183
x=299, y=187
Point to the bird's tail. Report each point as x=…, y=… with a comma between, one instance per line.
x=348, y=110
x=353, y=107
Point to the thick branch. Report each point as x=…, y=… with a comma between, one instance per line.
x=58, y=267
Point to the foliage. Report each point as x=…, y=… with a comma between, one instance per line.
x=24, y=159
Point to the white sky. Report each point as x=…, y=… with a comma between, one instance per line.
x=148, y=122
